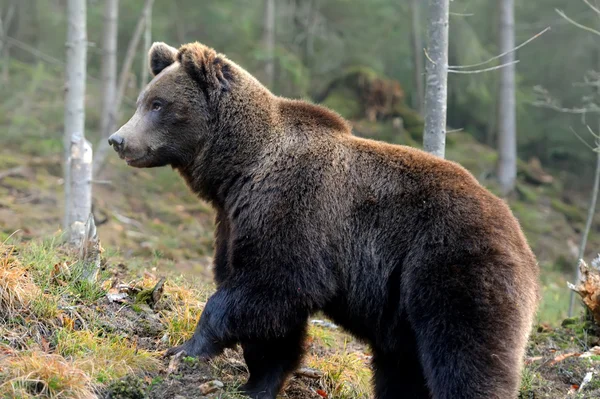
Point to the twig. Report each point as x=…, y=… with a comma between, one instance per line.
x=458, y=14
x=501, y=55
x=582, y=140
x=576, y=111
x=577, y=24
x=107, y=182
x=485, y=69
x=428, y=57
x=591, y=6
x=594, y=134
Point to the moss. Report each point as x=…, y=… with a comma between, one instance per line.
x=571, y=321
x=573, y=213
x=129, y=387
x=344, y=101
x=144, y=297
x=527, y=193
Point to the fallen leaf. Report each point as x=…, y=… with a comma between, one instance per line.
x=321, y=393
x=534, y=359
x=562, y=357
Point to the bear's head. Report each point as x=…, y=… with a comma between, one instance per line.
x=176, y=112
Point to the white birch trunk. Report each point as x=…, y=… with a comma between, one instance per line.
x=507, y=118
x=5, y=47
x=417, y=47
x=436, y=95
x=109, y=67
x=146, y=48
x=269, y=42
x=78, y=152
x=103, y=147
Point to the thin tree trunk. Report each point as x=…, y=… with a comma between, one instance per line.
x=417, y=45
x=103, y=147
x=269, y=42
x=180, y=28
x=436, y=95
x=507, y=119
x=78, y=152
x=5, y=48
x=147, y=44
x=588, y=224
x=109, y=66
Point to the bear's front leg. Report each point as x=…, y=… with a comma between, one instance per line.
x=267, y=317
x=212, y=334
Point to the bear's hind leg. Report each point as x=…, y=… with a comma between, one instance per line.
x=270, y=362
x=471, y=323
x=399, y=375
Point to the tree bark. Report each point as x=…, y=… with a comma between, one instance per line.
x=269, y=42
x=5, y=48
x=507, y=118
x=103, y=147
x=147, y=44
x=109, y=66
x=436, y=95
x=78, y=152
x=417, y=46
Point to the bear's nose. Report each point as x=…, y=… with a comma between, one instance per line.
x=116, y=141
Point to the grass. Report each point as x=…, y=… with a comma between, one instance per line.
x=184, y=308
x=33, y=373
x=108, y=356
x=346, y=375
x=45, y=349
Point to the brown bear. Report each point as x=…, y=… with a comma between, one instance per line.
x=404, y=250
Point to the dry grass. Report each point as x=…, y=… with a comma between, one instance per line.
x=37, y=374
x=17, y=289
x=346, y=375
x=182, y=311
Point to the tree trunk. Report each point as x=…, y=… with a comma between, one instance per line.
x=103, y=147
x=5, y=48
x=109, y=67
x=147, y=44
x=417, y=46
x=78, y=152
x=436, y=96
x=269, y=42
x=507, y=119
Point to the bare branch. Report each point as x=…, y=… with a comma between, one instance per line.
x=485, y=69
x=594, y=134
x=596, y=9
x=577, y=24
x=501, y=55
x=458, y=14
x=576, y=111
x=582, y=140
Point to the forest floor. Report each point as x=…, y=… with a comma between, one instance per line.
x=61, y=338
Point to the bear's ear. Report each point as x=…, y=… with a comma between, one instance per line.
x=206, y=66
x=160, y=56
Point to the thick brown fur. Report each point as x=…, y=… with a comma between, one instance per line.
x=404, y=250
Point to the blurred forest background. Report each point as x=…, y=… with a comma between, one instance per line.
x=362, y=58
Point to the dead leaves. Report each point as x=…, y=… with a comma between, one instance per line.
x=588, y=288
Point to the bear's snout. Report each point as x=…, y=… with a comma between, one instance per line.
x=116, y=141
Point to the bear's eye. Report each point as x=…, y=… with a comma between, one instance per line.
x=156, y=105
